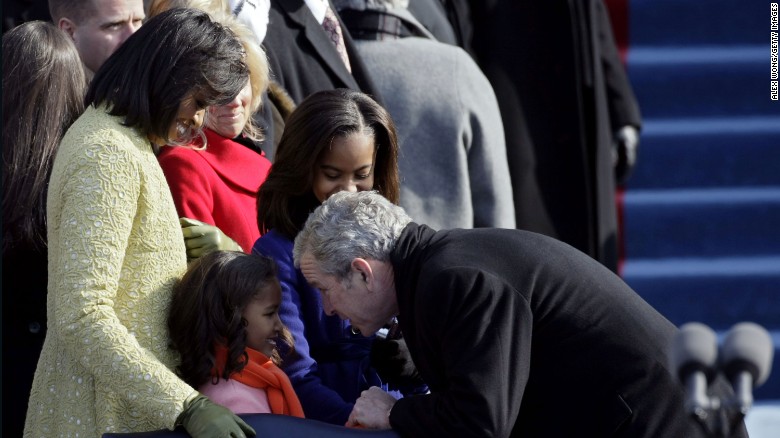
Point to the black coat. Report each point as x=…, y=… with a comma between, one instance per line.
x=519, y=334
x=303, y=60
x=562, y=91
x=24, y=329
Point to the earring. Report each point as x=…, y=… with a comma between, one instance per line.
x=186, y=135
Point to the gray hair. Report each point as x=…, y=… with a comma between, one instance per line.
x=347, y=226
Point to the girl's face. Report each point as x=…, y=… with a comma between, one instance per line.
x=262, y=317
x=347, y=165
x=229, y=120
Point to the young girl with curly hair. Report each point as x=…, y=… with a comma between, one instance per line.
x=224, y=321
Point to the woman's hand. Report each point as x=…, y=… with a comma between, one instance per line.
x=202, y=418
x=201, y=238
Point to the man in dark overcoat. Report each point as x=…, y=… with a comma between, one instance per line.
x=515, y=333
x=301, y=57
x=568, y=108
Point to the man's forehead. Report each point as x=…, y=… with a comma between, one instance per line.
x=112, y=9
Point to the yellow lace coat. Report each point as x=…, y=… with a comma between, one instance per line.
x=115, y=249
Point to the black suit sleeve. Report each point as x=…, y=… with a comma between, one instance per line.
x=473, y=341
x=622, y=103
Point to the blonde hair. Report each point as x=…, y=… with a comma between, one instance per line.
x=213, y=7
x=258, y=70
x=256, y=59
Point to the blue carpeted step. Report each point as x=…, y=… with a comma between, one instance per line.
x=701, y=81
x=675, y=22
x=708, y=152
x=702, y=209
x=702, y=223
x=718, y=292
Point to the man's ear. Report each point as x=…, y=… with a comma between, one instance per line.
x=68, y=26
x=363, y=269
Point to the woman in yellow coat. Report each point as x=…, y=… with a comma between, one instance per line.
x=115, y=244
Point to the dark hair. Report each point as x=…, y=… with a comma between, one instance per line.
x=179, y=53
x=43, y=92
x=285, y=199
x=75, y=10
x=207, y=308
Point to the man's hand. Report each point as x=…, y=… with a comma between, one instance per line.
x=201, y=238
x=372, y=409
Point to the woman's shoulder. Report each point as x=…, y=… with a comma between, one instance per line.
x=97, y=127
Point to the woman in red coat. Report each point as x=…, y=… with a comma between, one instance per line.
x=215, y=180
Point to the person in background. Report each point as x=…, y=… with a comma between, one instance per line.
x=310, y=50
x=453, y=167
x=571, y=118
x=432, y=15
x=335, y=140
x=115, y=247
x=17, y=12
x=43, y=94
x=516, y=333
x=276, y=104
x=97, y=27
x=217, y=8
x=216, y=182
x=224, y=321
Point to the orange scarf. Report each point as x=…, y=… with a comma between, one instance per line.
x=260, y=372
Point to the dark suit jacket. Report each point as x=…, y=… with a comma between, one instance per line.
x=519, y=334
x=302, y=58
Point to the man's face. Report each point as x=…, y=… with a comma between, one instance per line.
x=104, y=27
x=350, y=299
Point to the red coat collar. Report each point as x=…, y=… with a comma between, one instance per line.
x=232, y=161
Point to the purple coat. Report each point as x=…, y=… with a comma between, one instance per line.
x=331, y=365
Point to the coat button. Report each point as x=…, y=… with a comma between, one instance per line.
x=34, y=327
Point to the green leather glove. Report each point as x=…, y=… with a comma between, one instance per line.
x=201, y=238
x=202, y=418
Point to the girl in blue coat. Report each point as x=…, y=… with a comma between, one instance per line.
x=335, y=140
